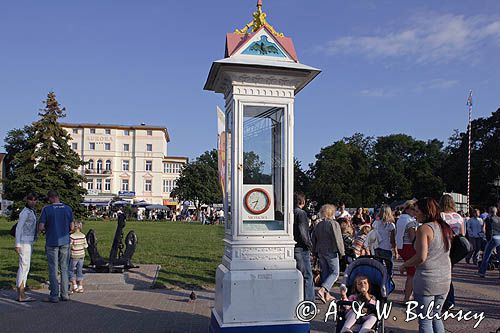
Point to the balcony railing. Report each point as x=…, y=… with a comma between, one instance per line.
x=97, y=172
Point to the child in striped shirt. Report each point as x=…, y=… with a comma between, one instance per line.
x=78, y=244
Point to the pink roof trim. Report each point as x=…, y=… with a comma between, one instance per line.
x=235, y=41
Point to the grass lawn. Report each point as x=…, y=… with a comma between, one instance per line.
x=188, y=253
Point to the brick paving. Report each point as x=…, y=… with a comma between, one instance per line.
x=140, y=309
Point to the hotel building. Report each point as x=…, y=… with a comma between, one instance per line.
x=130, y=162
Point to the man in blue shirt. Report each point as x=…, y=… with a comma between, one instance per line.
x=57, y=222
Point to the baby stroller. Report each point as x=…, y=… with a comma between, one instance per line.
x=492, y=263
x=381, y=286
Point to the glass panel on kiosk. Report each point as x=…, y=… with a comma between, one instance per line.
x=228, y=157
x=263, y=168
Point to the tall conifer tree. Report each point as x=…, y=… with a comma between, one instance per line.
x=44, y=160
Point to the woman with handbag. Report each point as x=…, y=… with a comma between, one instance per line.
x=433, y=266
x=25, y=236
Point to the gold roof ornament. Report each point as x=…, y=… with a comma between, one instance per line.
x=259, y=20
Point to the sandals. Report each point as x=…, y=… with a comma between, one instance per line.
x=26, y=299
x=321, y=297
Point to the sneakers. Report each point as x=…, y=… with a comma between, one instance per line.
x=79, y=289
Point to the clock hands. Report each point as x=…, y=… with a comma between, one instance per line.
x=255, y=203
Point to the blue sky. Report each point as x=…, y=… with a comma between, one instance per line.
x=388, y=66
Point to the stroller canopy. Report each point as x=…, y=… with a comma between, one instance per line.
x=370, y=266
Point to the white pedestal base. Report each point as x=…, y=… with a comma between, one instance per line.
x=259, y=298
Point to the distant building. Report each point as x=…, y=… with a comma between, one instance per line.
x=126, y=161
x=460, y=201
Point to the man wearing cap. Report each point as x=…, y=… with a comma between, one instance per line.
x=56, y=221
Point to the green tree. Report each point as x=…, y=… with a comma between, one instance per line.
x=41, y=160
x=301, y=179
x=341, y=173
x=199, y=181
x=485, y=160
x=404, y=167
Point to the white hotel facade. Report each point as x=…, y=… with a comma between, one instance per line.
x=130, y=162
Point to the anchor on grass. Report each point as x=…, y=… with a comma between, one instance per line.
x=118, y=260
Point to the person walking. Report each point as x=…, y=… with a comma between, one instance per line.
x=475, y=232
x=303, y=245
x=433, y=266
x=406, y=228
x=56, y=221
x=25, y=236
x=328, y=247
x=456, y=222
x=386, y=231
x=493, y=238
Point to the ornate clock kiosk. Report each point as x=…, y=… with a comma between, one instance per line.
x=257, y=285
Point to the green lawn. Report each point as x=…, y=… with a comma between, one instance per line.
x=187, y=253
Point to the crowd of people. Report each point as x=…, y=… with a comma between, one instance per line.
x=419, y=232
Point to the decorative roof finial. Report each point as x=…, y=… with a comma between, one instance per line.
x=259, y=20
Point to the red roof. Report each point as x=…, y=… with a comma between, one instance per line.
x=235, y=41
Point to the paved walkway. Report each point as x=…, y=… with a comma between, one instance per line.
x=157, y=310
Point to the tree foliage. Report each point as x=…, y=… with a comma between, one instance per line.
x=40, y=159
x=485, y=160
x=199, y=182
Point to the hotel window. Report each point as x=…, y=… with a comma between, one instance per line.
x=148, y=185
x=150, y=133
x=149, y=165
x=108, y=165
x=107, y=184
x=98, y=184
x=125, y=165
x=92, y=131
x=149, y=147
x=176, y=168
x=74, y=145
x=90, y=164
x=167, y=167
x=99, y=166
x=169, y=185
x=107, y=131
x=75, y=130
x=92, y=145
x=107, y=146
x=126, y=132
x=126, y=147
x=90, y=184
x=124, y=184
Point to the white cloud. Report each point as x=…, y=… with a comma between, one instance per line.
x=437, y=84
x=425, y=38
x=376, y=92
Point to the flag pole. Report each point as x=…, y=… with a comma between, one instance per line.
x=469, y=128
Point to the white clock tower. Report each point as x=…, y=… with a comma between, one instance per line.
x=257, y=285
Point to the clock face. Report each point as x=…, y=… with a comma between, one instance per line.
x=257, y=201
